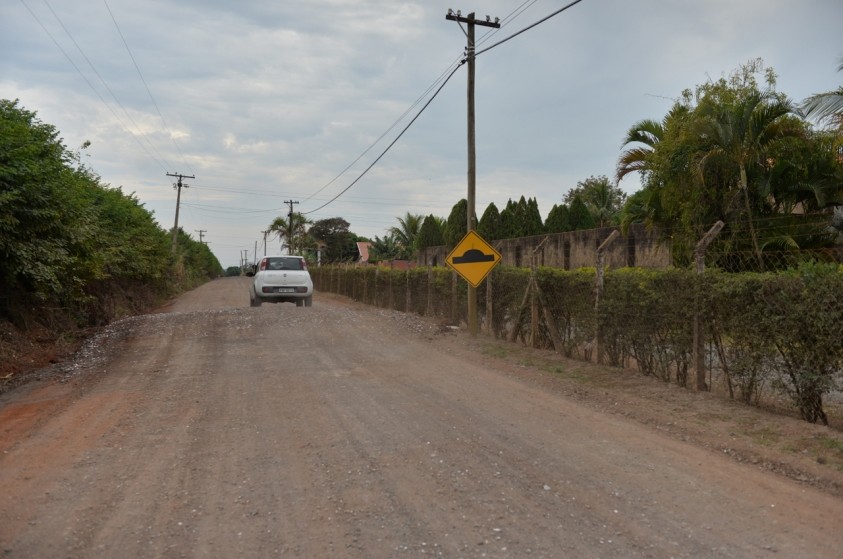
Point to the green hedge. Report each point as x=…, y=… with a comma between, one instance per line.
x=779, y=331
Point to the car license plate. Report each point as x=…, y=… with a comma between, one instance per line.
x=284, y=290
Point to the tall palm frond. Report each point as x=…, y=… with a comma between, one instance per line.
x=648, y=132
x=740, y=134
x=407, y=231
x=826, y=107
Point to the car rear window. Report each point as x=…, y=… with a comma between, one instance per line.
x=283, y=263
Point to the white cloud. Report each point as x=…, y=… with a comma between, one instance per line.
x=270, y=100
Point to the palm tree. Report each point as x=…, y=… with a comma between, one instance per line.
x=384, y=249
x=293, y=228
x=826, y=106
x=407, y=231
x=740, y=134
x=650, y=133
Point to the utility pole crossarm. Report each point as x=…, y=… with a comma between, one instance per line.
x=457, y=16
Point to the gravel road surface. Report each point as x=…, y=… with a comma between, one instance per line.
x=212, y=429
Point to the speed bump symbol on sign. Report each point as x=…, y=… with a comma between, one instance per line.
x=473, y=258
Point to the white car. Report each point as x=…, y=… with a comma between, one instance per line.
x=281, y=279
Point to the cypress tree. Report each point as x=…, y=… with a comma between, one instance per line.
x=490, y=224
x=430, y=235
x=580, y=217
x=558, y=220
x=456, y=228
x=534, y=218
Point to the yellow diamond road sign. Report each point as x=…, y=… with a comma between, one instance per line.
x=473, y=258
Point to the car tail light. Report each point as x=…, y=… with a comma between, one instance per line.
x=304, y=265
x=263, y=264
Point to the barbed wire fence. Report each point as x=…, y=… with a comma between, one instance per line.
x=760, y=336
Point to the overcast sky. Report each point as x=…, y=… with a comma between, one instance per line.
x=270, y=100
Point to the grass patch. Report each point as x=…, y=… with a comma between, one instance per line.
x=765, y=436
x=830, y=443
x=496, y=351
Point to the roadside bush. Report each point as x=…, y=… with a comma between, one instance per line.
x=73, y=248
x=782, y=329
x=647, y=315
x=768, y=331
x=569, y=296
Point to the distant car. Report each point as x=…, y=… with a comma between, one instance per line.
x=281, y=279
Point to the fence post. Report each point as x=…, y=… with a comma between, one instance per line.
x=429, y=311
x=375, y=297
x=489, y=306
x=408, y=292
x=598, y=338
x=699, y=337
x=534, y=296
x=391, y=300
x=454, y=297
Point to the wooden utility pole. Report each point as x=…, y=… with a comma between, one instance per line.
x=201, y=232
x=290, y=240
x=472, y=156
x=178, y=185
x=265, y=233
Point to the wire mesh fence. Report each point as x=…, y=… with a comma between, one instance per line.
x=752, y=335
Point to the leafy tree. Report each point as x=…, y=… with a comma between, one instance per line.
x=734, y=151
x=641, y=207
x=49, y=226
x=71, y=244
x=603, y=199
x=489, y=226
x=129, y=242
x=431, y=233
x=457, y=226
x=339, y=242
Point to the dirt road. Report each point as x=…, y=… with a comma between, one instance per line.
x=217, y=430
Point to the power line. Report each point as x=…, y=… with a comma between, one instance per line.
x=525, y=5
x=450, y=68
x=366, y=170
x=557, y=12
x=84, y=77
x=93, y=68
x=151, y=97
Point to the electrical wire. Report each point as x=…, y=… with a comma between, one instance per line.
x=508, y=19
x=93, y=68
x=97, y=93
x=151, y=97
x=452, y=69
x=418, y=100
x=556, y=13
x=366, y=170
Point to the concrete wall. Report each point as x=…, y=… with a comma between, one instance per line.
x=575, y=249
